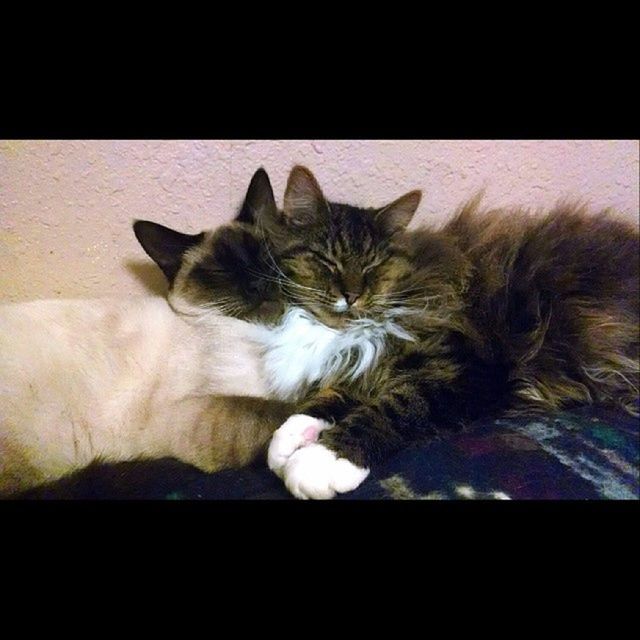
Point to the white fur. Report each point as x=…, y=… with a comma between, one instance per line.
x=112, y=378
x=301, y=351
x=316, y=472
x=290, y=437
x=341, y=305
x=310, y=470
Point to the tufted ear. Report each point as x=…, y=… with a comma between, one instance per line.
x=259, y=200
x=304, y=202
x=397, y=215
x=165, y=246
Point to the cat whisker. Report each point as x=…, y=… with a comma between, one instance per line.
x=308, y=295
x=424, y=301
x=403, y=291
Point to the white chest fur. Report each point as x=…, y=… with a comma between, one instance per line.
x=301, y=351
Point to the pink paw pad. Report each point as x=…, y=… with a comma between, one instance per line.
x=310, y=434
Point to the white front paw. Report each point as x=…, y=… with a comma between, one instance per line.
x=316, y=472
x=298, y=431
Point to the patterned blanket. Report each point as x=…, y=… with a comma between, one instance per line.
x=587, y=454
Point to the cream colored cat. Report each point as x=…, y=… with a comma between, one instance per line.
x=143, y=377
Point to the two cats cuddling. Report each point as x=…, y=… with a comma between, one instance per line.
x=321, y=338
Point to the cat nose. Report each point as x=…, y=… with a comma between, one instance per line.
x=351, y=297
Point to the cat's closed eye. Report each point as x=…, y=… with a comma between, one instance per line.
x=376, y=261
x=329, y=264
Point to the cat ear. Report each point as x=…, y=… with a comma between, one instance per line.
x=259, y=201
x=397, y=215
x=165, y=246
x=304, y=202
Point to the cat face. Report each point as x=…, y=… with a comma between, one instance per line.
x=226, y=270
x=338, y=261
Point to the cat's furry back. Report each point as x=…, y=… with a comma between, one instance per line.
x=555, y=299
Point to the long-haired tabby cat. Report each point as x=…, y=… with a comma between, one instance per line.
x=394, y=335
x=119, y=379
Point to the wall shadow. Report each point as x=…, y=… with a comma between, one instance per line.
x=149, y=275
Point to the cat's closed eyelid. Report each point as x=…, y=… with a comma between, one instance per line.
x=373, y=265
x=330, y=264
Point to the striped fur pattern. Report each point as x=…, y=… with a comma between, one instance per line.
x=510, y=312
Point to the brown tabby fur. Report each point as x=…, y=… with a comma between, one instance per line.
x=556, y=298
x=511, y=312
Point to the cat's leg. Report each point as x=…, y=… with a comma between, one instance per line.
x=301, y=431
x=231, y=431
x=351, y=436
x=308, y=468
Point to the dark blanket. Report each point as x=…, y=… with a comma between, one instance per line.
x=587, y=454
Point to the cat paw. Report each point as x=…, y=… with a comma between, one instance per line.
x=316, y=472
x=298, y=431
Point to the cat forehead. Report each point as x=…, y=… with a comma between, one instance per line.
x=351, y=217
x=351, y=230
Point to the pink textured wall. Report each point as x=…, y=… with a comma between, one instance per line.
x=66, y=207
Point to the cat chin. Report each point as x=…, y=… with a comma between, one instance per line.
x=342, y=320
